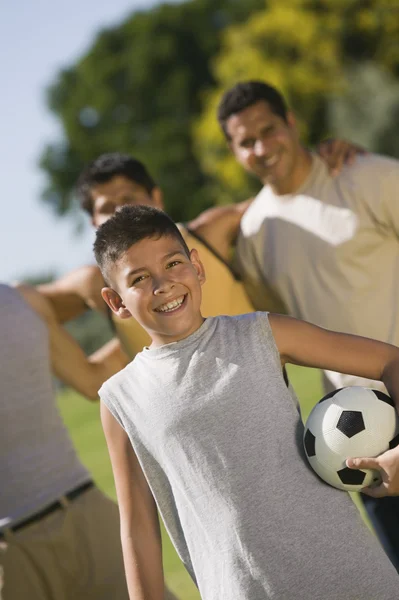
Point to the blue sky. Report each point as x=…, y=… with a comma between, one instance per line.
x=36, y=40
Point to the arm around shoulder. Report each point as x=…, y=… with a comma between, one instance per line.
x=140, y=532
x=219, y=225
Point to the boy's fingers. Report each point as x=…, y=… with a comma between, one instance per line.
x=363, y=463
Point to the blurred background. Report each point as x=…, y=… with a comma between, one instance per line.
x=138, y=76
x=144, y=77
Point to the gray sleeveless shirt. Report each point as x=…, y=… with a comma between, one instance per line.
x=37, y=460
x=218, y=437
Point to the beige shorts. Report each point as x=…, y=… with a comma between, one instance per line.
x=74, y=553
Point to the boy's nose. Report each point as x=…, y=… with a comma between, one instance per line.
x=162, y=286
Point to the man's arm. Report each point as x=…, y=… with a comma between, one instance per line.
x=69, y=362
x=336, y=153
x=140, y=532
x=218, y=226
x=71, y=295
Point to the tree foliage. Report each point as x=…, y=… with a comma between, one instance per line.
x=307, y=49
x=151, y=85
x=138, y=90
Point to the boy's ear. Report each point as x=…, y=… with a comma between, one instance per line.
x=198, y=266
x=115, y=303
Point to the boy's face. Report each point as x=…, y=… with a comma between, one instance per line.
x=108, y=197
x=160, y=286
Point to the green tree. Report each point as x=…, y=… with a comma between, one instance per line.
x=138, y=90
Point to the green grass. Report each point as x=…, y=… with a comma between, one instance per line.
x=83, y=421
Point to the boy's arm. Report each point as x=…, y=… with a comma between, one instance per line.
x=304, y=344
x=72, y=294
x=69, y=362
x=140, y=532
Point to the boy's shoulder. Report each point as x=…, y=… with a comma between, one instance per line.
x=117, y=380
x=243, y=325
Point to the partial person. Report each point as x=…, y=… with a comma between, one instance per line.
x=59, y=535
x=107, y=184
x=327, y=247
x=203, y=425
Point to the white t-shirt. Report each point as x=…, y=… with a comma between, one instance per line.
x=330, y=251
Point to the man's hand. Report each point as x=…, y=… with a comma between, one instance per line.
x=337, y=153
x=388, y=466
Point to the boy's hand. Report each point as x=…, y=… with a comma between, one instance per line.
x=337, y=153
x=388, y=466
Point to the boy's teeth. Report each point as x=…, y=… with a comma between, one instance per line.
x=171, y=305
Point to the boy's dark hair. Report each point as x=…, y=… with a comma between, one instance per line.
x=128, y=226
x=247, y=93
x=104, y=168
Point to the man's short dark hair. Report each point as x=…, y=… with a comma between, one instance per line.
x=247, y=93
x=104, y=168
x=128, y=226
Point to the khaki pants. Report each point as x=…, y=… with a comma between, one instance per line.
x=72, y=554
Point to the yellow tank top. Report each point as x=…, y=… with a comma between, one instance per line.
x=222, y=294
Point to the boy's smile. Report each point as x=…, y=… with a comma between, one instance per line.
x=172, y=306
x=160, y=286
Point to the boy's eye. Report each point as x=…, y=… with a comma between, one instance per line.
x=138, y=279
x=173, y=263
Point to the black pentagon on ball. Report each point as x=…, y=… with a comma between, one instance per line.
x=384, y=398
x=309, y=443
x=329, y=395
x=351, y=477
x=351, y=422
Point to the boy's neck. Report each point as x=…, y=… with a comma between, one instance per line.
x=164, y=340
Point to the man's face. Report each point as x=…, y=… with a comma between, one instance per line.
x=266, y=145
x=160, y=286
x=110, y=196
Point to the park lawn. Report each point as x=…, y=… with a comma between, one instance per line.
x=83, y=421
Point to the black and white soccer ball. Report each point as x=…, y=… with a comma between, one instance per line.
x=349, y=423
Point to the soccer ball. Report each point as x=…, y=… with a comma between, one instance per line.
x=349, y=423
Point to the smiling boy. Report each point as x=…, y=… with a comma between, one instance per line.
x=202, y=426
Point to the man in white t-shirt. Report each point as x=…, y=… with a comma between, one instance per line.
x=327, y=247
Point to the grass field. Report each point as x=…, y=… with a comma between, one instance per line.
x=83, y=422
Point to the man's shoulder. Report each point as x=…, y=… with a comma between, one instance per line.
x=260, y=206
x=369, y=166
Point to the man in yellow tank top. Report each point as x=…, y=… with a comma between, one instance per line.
x=113, y=180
